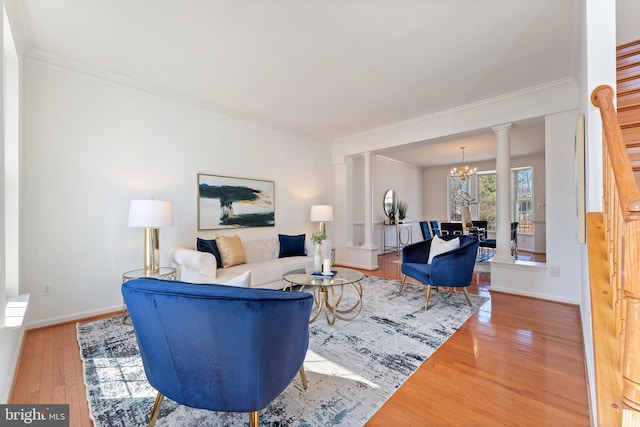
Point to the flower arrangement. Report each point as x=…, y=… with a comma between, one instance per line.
x=391, y=214
x=464, y=199
x=318, y=237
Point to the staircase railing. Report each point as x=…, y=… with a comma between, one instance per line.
x=615, y=294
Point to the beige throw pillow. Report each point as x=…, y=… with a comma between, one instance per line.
x=231, y=250
x=439, y=246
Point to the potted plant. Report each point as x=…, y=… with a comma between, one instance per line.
x=402, y=209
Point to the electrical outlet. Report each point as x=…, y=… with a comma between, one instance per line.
x=47, y=289
x=555, y=271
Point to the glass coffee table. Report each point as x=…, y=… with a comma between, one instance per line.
x=328, y=292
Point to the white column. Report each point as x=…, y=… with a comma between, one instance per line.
x=368, y=203
x=503, y=194
x=348, y=205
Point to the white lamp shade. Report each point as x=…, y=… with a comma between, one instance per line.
x=150, y=213
x=322, y=213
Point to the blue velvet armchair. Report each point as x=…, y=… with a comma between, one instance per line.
x=449, y=269
x=218, y=347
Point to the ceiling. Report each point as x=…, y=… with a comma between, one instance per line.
x=323, y=69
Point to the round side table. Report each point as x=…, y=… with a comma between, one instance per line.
x=166, y=273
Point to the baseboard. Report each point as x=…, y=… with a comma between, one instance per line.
x=361, y=267
x=533, y=295
x=73, y=317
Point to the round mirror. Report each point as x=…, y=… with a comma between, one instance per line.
x=390, y=203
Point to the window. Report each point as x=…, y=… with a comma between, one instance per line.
x=523, y=198
x=487, y=199
x=459, y=197
x=483, y=188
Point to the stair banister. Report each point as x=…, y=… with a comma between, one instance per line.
x=619, y=178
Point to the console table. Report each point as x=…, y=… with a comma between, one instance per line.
x=402, y=232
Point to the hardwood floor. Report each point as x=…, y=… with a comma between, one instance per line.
x=517, y=361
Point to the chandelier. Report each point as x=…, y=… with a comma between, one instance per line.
x=464, y=171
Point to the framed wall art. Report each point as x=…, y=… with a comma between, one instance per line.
x=228, y=202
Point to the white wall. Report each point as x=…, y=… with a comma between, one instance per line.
x=92, y=146
x=627, y=14
x=563, y=250
x=387, y=174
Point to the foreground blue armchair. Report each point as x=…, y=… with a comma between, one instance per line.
x=450, y=269
x=218, y=347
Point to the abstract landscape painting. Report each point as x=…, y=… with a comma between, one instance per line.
x=227, y=202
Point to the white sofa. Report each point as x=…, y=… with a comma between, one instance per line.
x=262, y=260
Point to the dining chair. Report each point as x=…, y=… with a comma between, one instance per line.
x=491, y=243
x=435, y=229
x=426, y=233
x=451, y=228
x=480, y=228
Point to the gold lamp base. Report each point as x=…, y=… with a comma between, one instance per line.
x=151, y=251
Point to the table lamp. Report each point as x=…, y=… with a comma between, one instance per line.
x=151, y=214
x=321, y=214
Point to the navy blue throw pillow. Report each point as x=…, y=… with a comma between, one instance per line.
x=291, y=245
x=210, y=246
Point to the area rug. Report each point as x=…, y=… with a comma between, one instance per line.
x=352, y=367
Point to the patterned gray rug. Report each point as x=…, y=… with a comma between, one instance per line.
x=352, y=367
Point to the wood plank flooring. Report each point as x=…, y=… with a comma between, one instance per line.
x=518, y=361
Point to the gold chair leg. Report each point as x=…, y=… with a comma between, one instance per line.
x=156, y=409
x=426, y=300
x=303, y=377
x=404, y=277
x=254, y=419
x=466, y=294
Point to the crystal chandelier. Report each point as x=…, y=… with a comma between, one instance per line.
x=464, y=171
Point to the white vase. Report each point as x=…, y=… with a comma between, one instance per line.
x=317, y=259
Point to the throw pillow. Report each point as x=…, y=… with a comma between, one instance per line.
x=231, y=250
x=440, y=246
x=209, y=246
x=291, y=245
x=243, y=280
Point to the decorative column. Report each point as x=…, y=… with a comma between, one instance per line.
x=348, y=203
x=503, y=194
x=368, y=203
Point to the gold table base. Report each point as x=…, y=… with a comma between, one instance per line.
x=321, y=296
x=328, y=292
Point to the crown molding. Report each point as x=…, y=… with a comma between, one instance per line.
x=20, y=21
x=398, y=162
x=419, y=121
x=173, y=95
